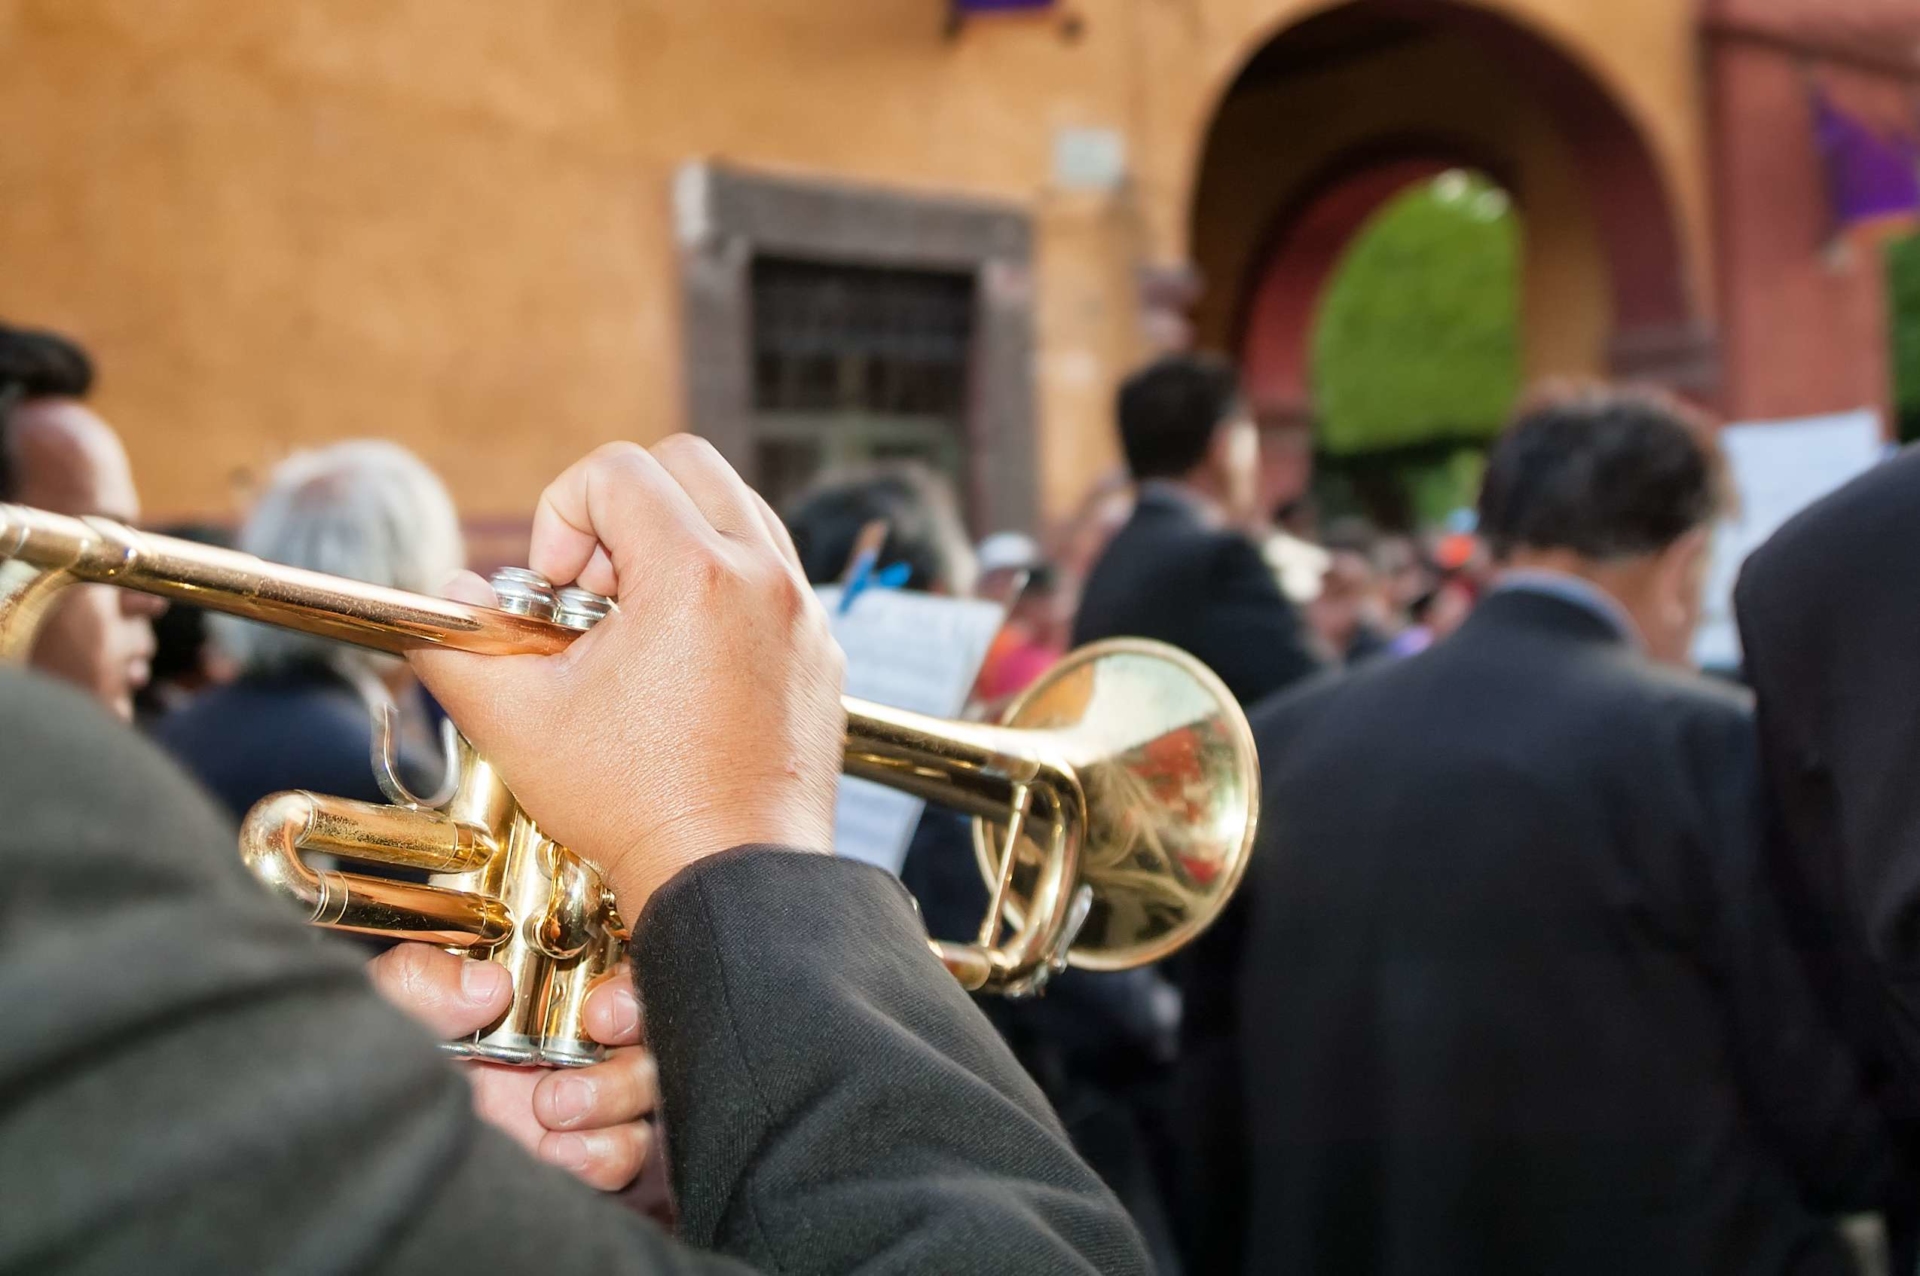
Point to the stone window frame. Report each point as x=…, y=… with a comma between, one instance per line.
x=726, y=216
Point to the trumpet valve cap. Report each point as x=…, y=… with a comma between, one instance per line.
x=576, y=608
x=523, y=592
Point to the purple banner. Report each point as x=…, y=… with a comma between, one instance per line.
x=1871, y=178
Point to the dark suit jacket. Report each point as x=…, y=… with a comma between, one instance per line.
x=1167, y=575
x=190, y=1082
x=1090, y=1043
x=1829, y=614
x=305, y=728
x=1513, y=992
x=1206, y=590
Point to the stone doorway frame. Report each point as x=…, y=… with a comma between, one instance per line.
x=725, y=216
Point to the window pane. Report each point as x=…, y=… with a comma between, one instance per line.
x=785, y=466
x=855, y=363
x=854, y=338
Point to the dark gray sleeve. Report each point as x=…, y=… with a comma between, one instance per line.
x=191, y=1081
x=1798, y=1077
x=833, y=1102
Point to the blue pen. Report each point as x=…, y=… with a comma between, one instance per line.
x=858, y=578
x=892, y=576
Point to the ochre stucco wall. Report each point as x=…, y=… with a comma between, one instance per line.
x=285, y=221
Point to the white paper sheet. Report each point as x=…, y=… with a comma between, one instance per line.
x=1778, y=468
x=911, y=651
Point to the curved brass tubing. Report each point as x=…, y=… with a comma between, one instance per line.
x=280, y=829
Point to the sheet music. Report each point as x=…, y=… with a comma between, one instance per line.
x=911, y=651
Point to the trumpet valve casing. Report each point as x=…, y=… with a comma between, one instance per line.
x=567, y=934
x=498, y=888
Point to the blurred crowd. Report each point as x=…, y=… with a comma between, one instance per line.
x=1506, y=989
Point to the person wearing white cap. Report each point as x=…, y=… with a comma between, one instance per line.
x=1014, y=573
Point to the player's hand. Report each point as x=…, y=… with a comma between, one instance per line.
x=703, y=714
x=590, y=1121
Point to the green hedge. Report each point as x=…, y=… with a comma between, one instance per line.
x=1903, y=298
x=1417, y=345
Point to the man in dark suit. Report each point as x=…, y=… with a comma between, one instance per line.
x=1178, y=571
x=190, y=1082
x=1830, y=628
x=1514, y=995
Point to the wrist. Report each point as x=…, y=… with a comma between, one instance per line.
x=637, y=871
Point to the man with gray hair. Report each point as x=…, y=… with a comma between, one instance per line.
x=300, y=713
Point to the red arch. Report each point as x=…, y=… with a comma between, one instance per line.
x=1283, y=296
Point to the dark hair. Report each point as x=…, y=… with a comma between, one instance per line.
x=1169, y=410
x=36, y=365
x=922, y=531
x=180, y=635
x=1607, y=473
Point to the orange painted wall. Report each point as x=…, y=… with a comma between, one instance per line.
x=285, y=221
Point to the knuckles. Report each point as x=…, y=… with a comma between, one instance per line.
x=713, y=579
x=608, y=461
x=410, y=974
x=787, y=596
x=753, y=578
x=618, y=450
x=687, y=447
x=425, y=984
x=620, y=466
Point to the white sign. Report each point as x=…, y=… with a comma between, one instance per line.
x=1089, y=159
x=693, y=204
x=1778, y=468
x=911, y=651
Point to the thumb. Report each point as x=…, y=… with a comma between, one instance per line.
x=471, y=588
x=450, y=996
x=478, y=692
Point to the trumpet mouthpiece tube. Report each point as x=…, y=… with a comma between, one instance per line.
x=102, y=551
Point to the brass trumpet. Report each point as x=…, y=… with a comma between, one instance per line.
x=1114, y=807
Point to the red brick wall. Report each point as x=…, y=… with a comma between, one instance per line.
x=1803, y=313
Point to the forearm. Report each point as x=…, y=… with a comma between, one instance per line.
x=832, y=1100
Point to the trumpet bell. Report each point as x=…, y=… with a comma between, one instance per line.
x=1167, y=766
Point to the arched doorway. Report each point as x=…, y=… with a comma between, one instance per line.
x=1416, y=353
x=1282, y=295
x=1334, y=116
